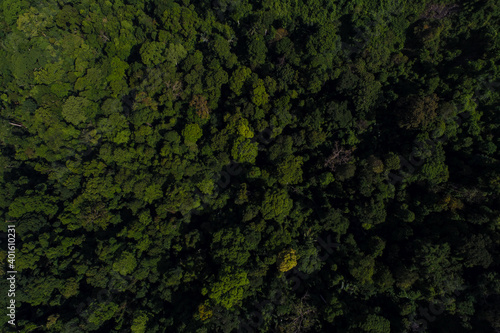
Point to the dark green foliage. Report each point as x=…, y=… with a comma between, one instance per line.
x=237, y=166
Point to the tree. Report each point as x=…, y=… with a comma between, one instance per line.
x=392, y=162
x=125, y=264
x=287, y=259
x=228, y=290
x=375, y=324
x=257, y=50
x=12, y=9
x=418, y=111
x=244, y=129
x=230, y=247
x=244, y=150
x=40, y=291
x=302, y=318
x=139, y=325
x=70, y=288
x=260, y=96
x=375, y=164
x=175, y=53
x=152, y=156
x=76, y=110
x=35, y=22
x=475, y=251
x=238, y=78
x=345, y=171
x=339, y=156
x=362, y=269
x=290, y=171
x=277, y=205
x=99, y=313
x=117, y=69
x=191, y=133
x=151, y=53
x=204, y=311
x=153, y=192
x=200, y=104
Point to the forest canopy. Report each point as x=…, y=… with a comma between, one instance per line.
x=240, y=166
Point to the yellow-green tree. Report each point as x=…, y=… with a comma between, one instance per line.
x=259, y=96
x=287, y=259
x=126, y=264
x=244, y=150
x=290, y=171
x=276, y=205
x=228, y=290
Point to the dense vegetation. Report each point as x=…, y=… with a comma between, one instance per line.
x=272, y=166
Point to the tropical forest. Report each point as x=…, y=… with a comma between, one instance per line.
x=237, y=166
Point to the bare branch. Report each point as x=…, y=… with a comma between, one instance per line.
x=18, y=125
x=339, y=156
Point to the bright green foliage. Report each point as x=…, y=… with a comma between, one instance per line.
x=238, y=79
x=32, y=204
x=259, y=96
x=151, y=53
x=206, y=186
x=375, y=164
x=244, y=129
x=40, y=291
x=230, y=247
x=362, y=269
x=376, y=324
x=175, y=53
x=34, y=23
x=101, y=312
x=191, y=133
x=153, y=193
x=117, y=69
x=139, y=324
x=51, y=73
x=12, y=8
x=435, y=170
x=125, y=264
x=276, y=205
x=257, y=50
x=326, y=178
x=290, y=171
x=60, y=89
x=76, y=110
x=228, y=290
x=70, y=288
x=244, y=150
x=392, y=162
x=287, y=259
